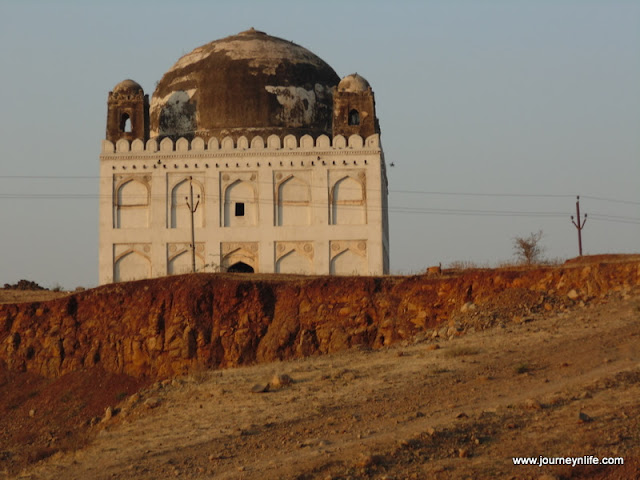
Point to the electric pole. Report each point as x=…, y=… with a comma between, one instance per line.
x=192, y=210
x=580, y=224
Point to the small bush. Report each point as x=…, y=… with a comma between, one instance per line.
x=528, y=249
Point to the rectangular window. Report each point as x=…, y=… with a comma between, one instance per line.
x=239, y=209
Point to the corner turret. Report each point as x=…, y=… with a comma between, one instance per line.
x=127, y=112
x=354, y=108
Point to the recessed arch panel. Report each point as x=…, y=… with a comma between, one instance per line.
x=132, y=205
x=183, y=263
x=348, y=263
x=180, y=200
x=294, y=199
x=348, y=202
x=131, y=266
x=240, y=205
x=293, y=262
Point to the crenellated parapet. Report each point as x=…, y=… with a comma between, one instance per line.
x=273, y=143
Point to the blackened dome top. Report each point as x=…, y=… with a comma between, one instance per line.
x=247, y=84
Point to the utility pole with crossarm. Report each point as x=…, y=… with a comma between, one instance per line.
x=579, y=224
x=192, y=210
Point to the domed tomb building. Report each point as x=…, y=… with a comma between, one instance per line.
x=252, y=156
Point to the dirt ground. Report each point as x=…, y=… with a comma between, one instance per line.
x=553, y=384
x=23, y=296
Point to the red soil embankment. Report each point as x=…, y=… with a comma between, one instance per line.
x=174, y=325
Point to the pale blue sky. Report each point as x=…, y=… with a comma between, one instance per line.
x=485, y=97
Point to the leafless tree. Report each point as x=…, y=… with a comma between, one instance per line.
x=528, y=249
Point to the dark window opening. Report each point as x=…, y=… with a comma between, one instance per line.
x=354, y=117
x=125, y=123
x=240, y=267
x=239, y=209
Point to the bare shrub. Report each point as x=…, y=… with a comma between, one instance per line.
x=528, y=249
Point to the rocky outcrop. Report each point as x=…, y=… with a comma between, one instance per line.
x=173, y=325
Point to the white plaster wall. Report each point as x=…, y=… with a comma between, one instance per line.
x=260, y=172
x=294, y=262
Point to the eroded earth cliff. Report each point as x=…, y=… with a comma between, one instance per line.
x=173, y=325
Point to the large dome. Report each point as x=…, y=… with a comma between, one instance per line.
x=247, y=84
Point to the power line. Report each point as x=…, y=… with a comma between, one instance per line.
x=452, y=211
x=614, y=219
x=478, y=194
x=399, y=209
x=408, y=192
x=612, y=200
x=71, y=196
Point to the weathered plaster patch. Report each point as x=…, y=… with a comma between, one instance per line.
x=177, y=113
x=157, y=102
x=299, y=105
x=195, y=56
x=264, y=54
x=261, y=53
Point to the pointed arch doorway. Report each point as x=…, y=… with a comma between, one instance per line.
x=240, y=267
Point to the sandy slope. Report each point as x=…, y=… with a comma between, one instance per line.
x=461, y=410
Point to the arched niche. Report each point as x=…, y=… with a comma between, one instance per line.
x=183, y=263
x=131, y=265
x=348, y=263
x=294, y=202
x=240, y=256
x=132, y=204
x=180, y=215
x=240, y=267
x=240, y=209
x=348, y=202
x=294, y=262
x=354, y=117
